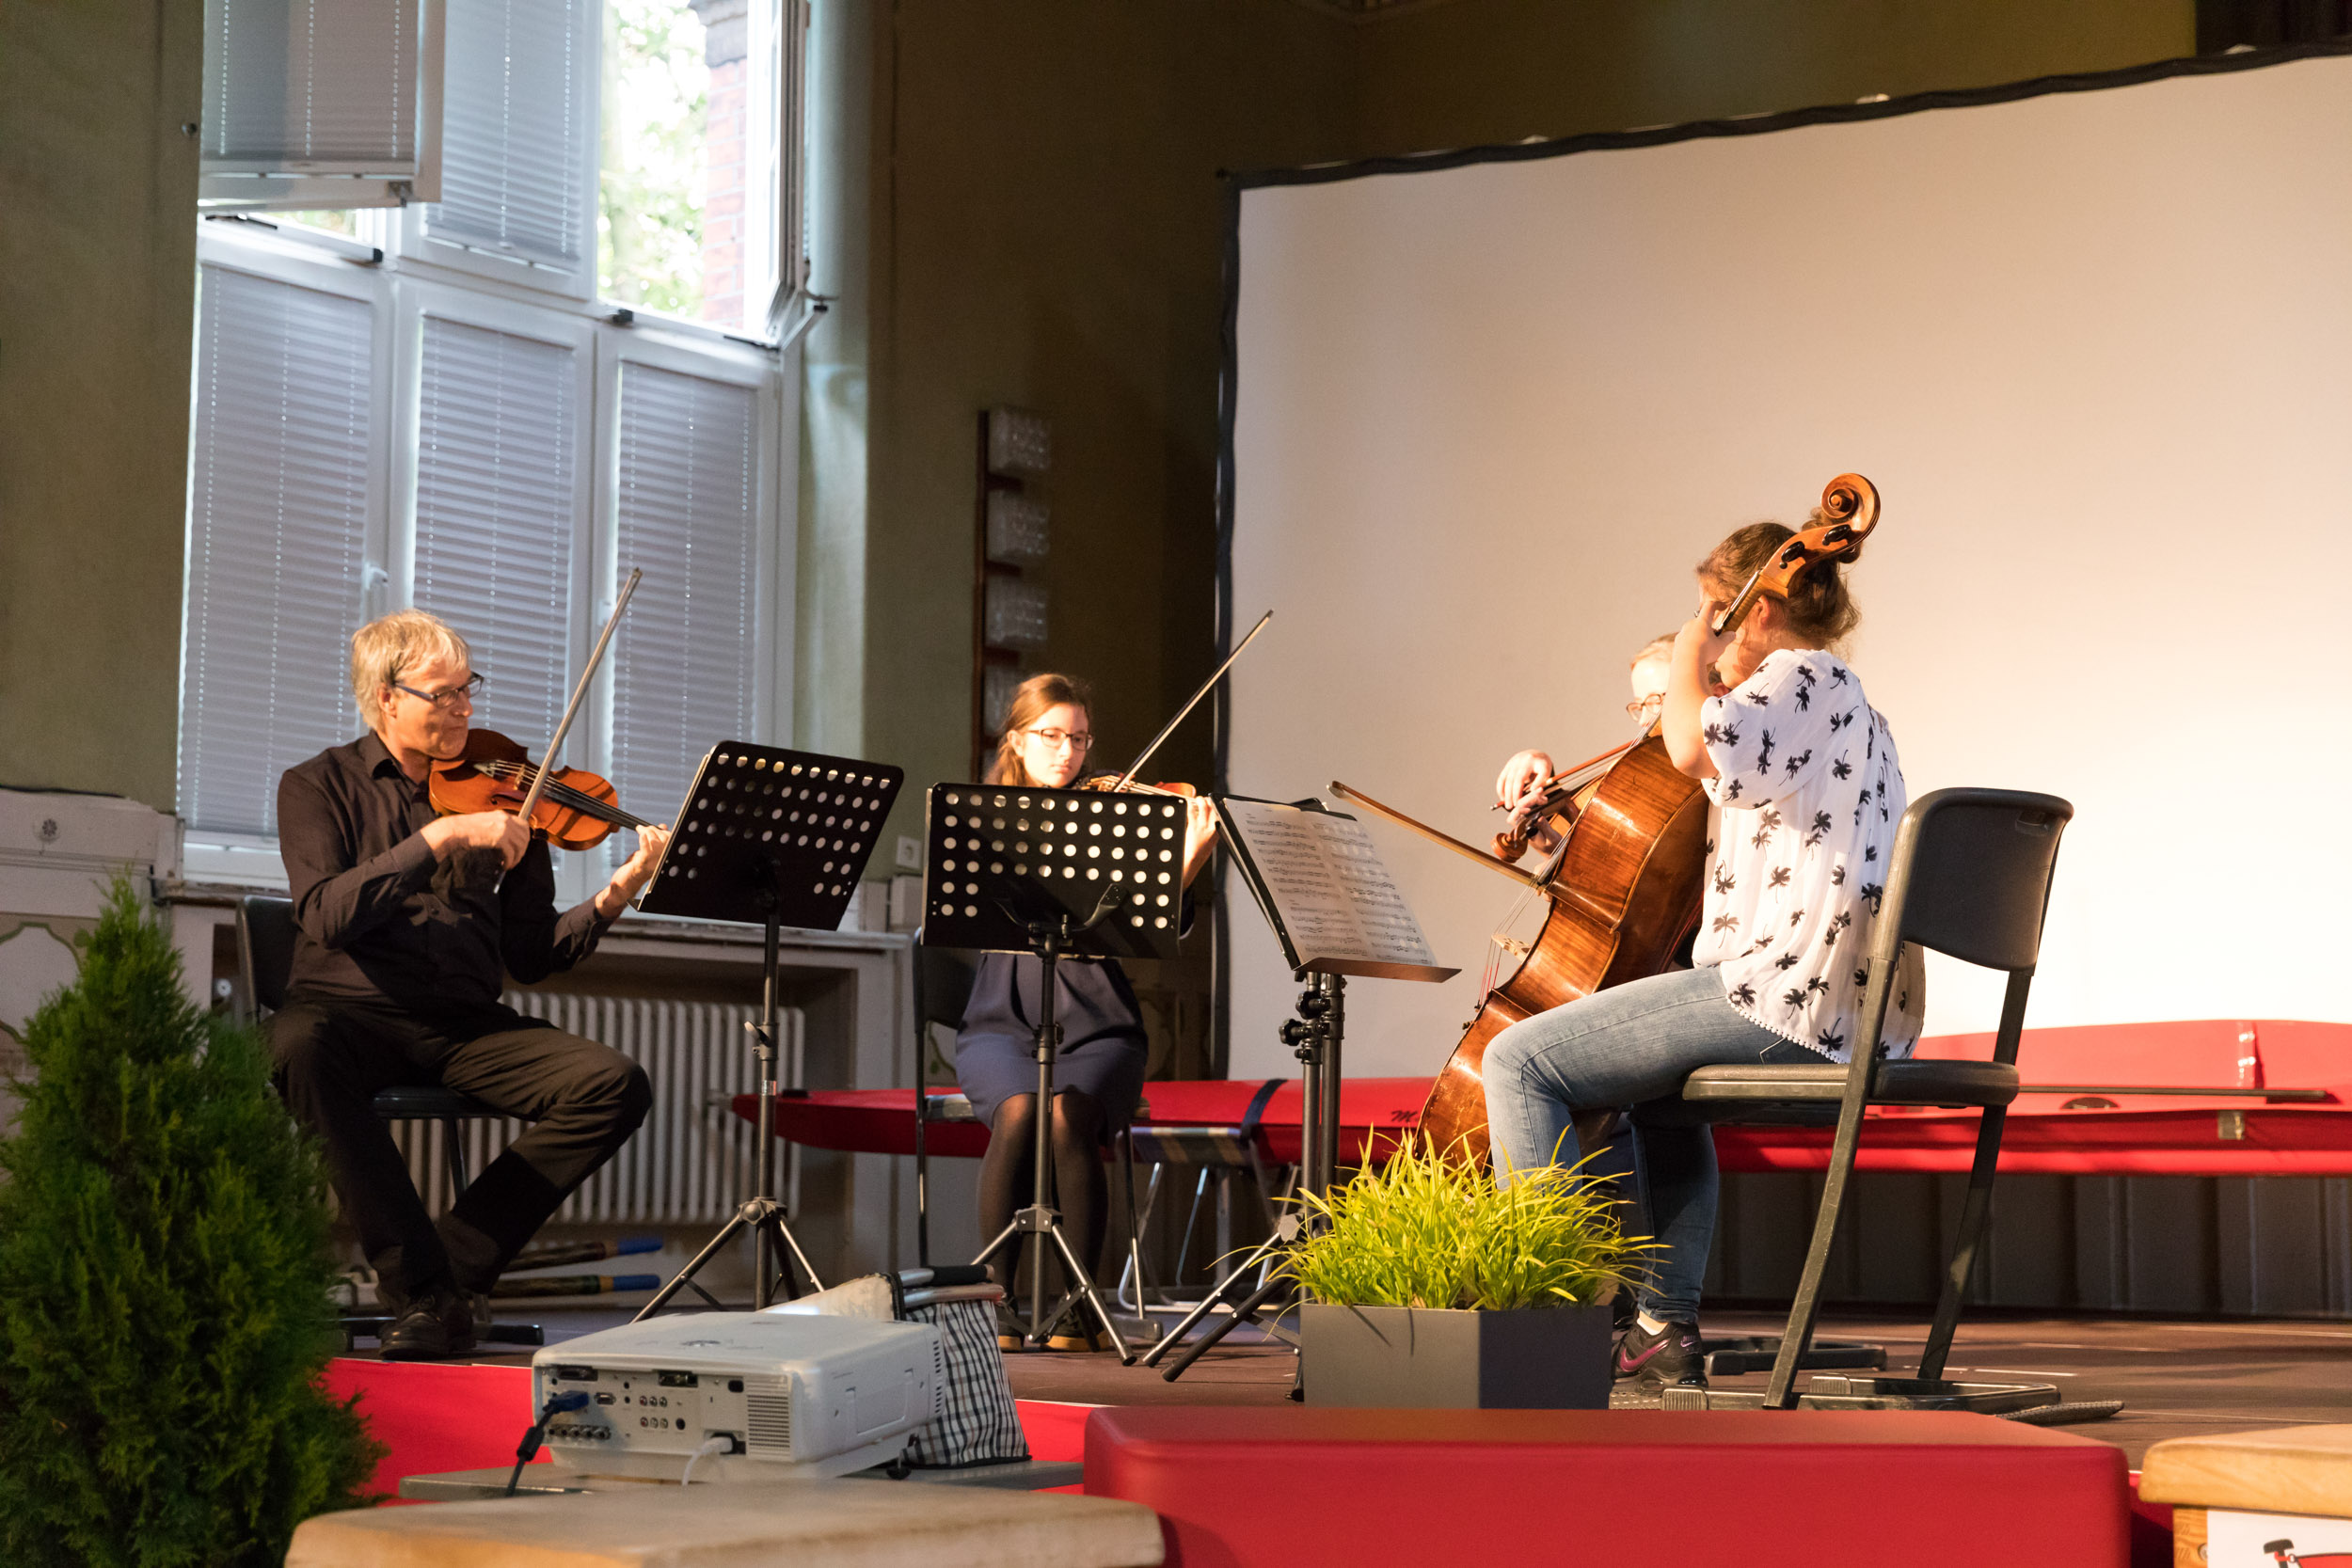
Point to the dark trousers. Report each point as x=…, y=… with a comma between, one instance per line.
x=583, y=1099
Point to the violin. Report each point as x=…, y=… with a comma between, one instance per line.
x=575, y=809
x=1114, y=783
x=1849, y=510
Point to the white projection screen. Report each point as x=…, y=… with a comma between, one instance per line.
x=2095, y=349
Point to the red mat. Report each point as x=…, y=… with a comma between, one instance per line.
x=1238, y=1487
x=470, y=1417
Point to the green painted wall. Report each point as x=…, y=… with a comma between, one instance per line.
x=97, y=291
x=1025, y=209
x=1044, y=229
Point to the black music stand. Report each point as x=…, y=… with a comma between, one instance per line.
x=1333, y=908
x=1058, y=872
x=773, y=838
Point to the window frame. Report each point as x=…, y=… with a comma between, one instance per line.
x=399, y=303
x=408, y=232
x=297, y=184
x=773, y=379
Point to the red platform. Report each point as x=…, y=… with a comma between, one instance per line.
x=1237, y=1487
x=456, y=1416
x=2127, y=1133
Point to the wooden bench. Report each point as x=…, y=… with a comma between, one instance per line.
x=2302, y=1472
x=790, y=1524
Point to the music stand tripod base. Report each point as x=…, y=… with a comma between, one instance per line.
x=774, y=838
x=1316, y=1037
x=1057, y=873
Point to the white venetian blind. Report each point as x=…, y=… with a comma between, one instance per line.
x=315, y=86
x=277, y=505
x=513, y=135
x=682, y=664
x=497, y=445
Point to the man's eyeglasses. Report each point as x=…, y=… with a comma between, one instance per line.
x=1646, y=707
x=1078, y=740
x=448, y=697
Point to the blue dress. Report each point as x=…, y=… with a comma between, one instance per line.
x=1103, y=1049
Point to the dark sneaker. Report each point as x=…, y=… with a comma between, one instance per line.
x=1672, y=1355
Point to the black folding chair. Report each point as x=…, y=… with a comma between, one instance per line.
x=1970, y=879
x=943, y=989
x=265, y=945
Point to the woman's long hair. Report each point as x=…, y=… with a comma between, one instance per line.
x=1031, y=701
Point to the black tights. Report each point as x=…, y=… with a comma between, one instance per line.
x=1077, y=1188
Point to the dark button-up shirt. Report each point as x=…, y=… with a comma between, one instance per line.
x=382, y=920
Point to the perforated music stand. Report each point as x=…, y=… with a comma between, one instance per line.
x=1060, y=873
x=774, y=838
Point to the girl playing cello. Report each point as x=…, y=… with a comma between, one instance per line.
x=1806, y=793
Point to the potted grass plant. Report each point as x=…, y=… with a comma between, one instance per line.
x=1428, y=1284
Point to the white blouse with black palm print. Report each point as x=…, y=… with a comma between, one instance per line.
x=1808, y=793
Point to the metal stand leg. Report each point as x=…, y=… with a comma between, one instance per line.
x=1041, y=1219
x=762, y=1214
x=1314, y=1038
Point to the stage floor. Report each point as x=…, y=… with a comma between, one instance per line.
x=2175, y=1377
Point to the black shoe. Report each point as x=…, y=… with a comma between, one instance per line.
x=434, y=1326
x=1672, y=1355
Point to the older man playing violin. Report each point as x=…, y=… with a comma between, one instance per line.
x=409, y=924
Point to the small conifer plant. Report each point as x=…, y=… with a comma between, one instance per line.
x=164, y=1276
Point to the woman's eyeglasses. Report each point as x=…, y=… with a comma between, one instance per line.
x=1078, y=740
x=1646, y=707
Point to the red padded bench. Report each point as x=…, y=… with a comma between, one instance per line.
x=1239, y=1486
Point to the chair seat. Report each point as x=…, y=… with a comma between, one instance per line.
x=1902, y=1083
x=427, y=1103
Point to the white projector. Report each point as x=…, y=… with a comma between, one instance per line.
x=761, y=1396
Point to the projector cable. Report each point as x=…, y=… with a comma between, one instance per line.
x=528, y=1448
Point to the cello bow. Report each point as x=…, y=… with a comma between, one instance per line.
x=1433, y=836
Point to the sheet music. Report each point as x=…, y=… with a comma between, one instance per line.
x=1338, y=907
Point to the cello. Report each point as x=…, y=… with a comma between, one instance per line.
x=1624, y=885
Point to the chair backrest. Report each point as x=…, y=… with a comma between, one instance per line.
x=266, y=933
x=943, y=983
x=1971, y=876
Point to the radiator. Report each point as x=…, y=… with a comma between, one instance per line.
x=691, y=1162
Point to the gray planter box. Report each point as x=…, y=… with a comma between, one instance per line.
x=1409, y=1357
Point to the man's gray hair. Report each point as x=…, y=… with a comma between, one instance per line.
x=389, y=644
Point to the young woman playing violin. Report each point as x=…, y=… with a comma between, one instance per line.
x=1099, y=1073
x=1806, y=791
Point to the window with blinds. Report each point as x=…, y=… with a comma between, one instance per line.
x=315, y=102
x=513, y=150
x=497, y=433
x=682, y=665
x=278, y=507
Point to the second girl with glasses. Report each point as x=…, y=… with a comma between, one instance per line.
x=1097, y=1074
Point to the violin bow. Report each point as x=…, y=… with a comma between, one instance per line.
x=555, y=742
x=1170, y=728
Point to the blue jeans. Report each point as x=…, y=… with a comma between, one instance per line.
x=1632, y=1046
